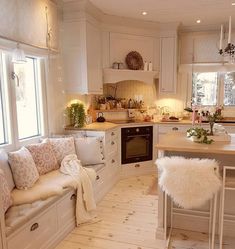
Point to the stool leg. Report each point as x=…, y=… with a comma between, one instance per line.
x=222, y=211
x=210, y=224
x=214, y=221
x=165, y=215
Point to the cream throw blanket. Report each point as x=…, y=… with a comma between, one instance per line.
x=85, y=205
x=189, y=182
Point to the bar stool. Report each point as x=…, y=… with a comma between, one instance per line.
x=228, y=184
x=181, y=179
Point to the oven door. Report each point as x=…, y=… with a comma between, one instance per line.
x=136, y=148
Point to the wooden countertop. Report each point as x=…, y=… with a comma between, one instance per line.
x=105, y=126
x=178, y=142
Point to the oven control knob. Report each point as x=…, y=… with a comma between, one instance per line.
x=137, y=130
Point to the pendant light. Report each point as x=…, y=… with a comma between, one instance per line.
x=18, y=55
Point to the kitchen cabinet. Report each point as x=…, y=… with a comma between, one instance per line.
x=81, y=49
x=168, y=65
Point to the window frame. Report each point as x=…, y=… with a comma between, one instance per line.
x=190, y=69
x=40, y=81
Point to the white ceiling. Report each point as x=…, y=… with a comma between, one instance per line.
x=211, y=12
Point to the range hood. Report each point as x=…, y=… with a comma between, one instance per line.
x=117, y=75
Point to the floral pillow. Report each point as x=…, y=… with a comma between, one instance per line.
x=43, y=157
x=5, y=192
x=62, y=147
x=24, y=170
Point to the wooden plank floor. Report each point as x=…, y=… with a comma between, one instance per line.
x=127, y=219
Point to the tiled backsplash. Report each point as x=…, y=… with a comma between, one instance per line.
x=132, y=89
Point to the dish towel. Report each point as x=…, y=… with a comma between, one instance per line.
x=189, y=182
x=85, y=202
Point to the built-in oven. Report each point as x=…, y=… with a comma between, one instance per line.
x=137, y=144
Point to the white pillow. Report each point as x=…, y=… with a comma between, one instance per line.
x=90, y=150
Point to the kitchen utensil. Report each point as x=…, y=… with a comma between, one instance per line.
x=100, y=118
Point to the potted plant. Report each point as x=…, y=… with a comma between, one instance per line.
x=76, y=115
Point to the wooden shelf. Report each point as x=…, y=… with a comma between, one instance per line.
x=119, y=110
x=117, y=75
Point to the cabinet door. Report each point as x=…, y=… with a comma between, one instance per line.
x=168, y=72
x=94, y=62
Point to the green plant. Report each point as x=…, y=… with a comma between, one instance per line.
x=76, y=115
x=200, y=134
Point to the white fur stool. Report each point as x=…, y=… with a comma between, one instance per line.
x=190, y=183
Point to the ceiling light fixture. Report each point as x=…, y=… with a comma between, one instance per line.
x=233, y=4
x=198, y=21
x=229, y=50
x=144, y=13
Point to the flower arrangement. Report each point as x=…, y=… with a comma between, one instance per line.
x=199, y=135
x=211, y=115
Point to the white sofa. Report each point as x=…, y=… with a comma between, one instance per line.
x=41, y=224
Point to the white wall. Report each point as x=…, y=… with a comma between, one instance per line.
x=25, y=21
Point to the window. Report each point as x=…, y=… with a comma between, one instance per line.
x=229, y=89
x=27, y=99
x=2, y=125
x=21, y=101
x=4, y=111
x=205, y=87
x=213, y=88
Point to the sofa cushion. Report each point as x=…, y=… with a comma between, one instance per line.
x=17, y=216
x=93, y=145
x=4, y=165
x=43, y=157
x=5, y=192
x=62, y=147
x=24, y=170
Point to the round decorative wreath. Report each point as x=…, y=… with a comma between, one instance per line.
x=134, y=60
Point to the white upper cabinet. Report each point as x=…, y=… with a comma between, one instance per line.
x=82, y=57
x=168, y=65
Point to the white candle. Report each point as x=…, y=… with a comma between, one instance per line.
x=229, y=29
x=221, y=38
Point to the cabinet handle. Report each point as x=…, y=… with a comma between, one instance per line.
x=175, y=129
x=112, y=134
x=73, y=197
x=137, y=166
x=112, y=143
x=113, y=161
x=97, y=177
x=34, y=227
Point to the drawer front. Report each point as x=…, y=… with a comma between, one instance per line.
x=66, y=210
x=37, y=233
x=169, y=128
x=111, y=147
x=112, y=134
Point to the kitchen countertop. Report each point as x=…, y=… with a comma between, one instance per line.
x=178, y=142
x=109, y=125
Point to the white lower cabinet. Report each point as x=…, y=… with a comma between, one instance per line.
x=36, y=233
x=110, y=174
x=48, y=228
x=136, y=169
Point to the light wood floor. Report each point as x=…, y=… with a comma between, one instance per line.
x=127, y=219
